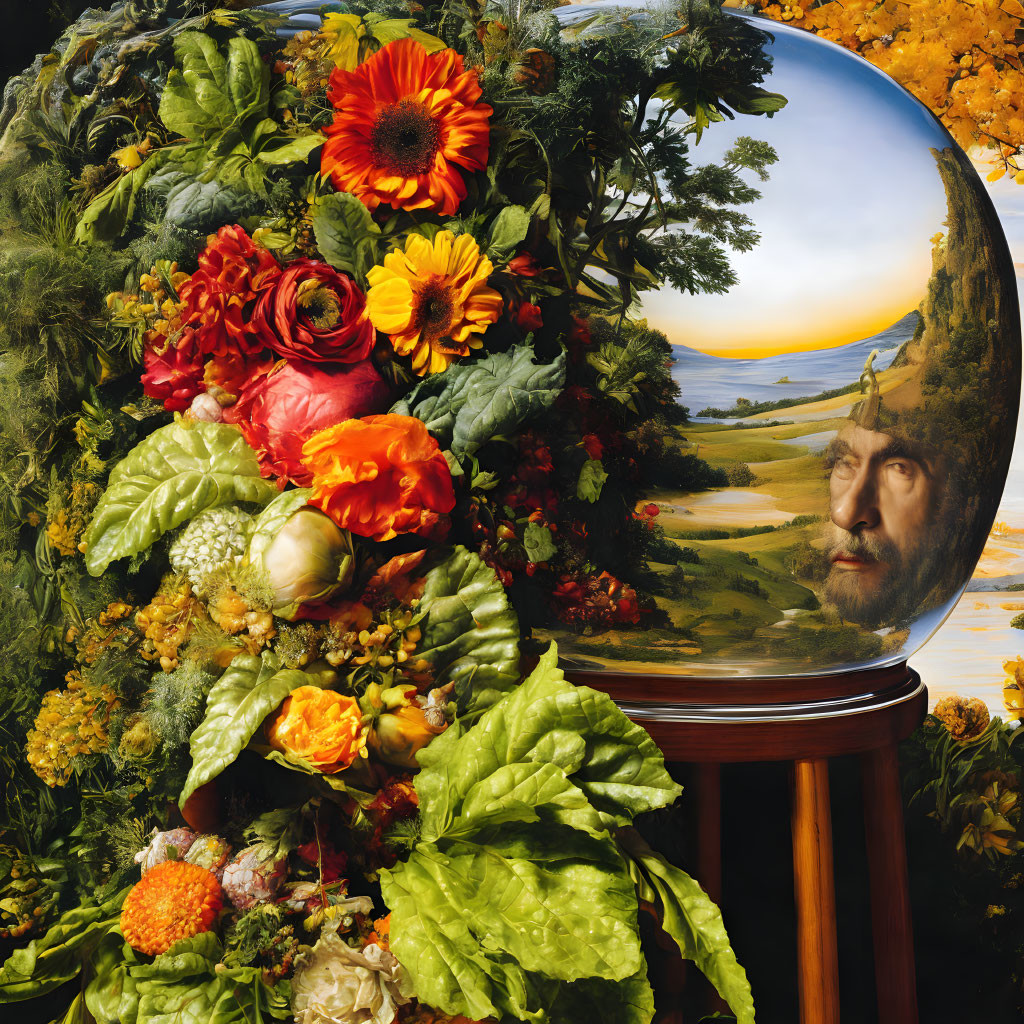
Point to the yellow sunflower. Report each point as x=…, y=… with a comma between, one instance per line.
x=433, y=300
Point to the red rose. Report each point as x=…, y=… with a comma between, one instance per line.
x=593, y=446
x=312, y=312
x=175, y=375
x=278, y=412
x=524, y=265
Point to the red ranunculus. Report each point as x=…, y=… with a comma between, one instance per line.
x=278, y=412
x=312, y=312
x=174, y=376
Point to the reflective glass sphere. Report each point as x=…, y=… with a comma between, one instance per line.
x=851, y=397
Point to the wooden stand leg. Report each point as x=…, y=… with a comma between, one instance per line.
x=890, y=896
x=709, y=852
x=817, y=954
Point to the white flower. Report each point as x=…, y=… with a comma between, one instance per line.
x=340, y=985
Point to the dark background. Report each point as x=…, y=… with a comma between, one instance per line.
x=757, y=874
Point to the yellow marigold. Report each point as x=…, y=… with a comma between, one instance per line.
x=322, y=727
x=71, y=723
x=1013, y=688
x=433, y=300
x=174, y=901
x=964, y=717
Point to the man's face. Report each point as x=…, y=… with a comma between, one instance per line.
x=882, y=543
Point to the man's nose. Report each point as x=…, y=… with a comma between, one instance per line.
x=855, y=502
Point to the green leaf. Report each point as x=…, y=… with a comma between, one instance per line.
x=539, y=543
x=470, y=634
x=548, y=720
x=46, y=963
x=210, y=93
x=470, y=921
x=111, y=996
x=591, y=481
x=176, y=472
x=294, y=150
x=508, y=230
x=693, y=920
x=346, y=234
x=195, y=205
x=195, y=102
x=630, y=1001
x=189, y=985
x=104, y=219
x=470, y=403
x=237, y=705
x=387, y=30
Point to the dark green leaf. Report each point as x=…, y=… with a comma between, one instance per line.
x=346, y=234
x=470, y=403
x=539, y=543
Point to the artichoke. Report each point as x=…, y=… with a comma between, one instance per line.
x=214, y=539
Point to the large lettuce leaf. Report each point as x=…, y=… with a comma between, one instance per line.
x=470, y=634
x=693, y=920
x=111, y=995
x=547, y=720
x=515, y=889
x=470, y=403
x=189, y=985
x=176, y=472
x=247, y=692
x=46, y=963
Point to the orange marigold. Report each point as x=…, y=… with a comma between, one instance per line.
x=380, y=476
x=404, y=122
x=322, y=727
x=174, y=901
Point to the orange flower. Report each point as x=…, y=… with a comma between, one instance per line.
x=403, y=120
x=380, y=476
x=174, y=901
x=221, y=295
x=433, y=300
x=320, y=726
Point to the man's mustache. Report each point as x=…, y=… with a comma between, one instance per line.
x=870, y=549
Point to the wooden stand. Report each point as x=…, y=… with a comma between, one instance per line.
x=804, y=720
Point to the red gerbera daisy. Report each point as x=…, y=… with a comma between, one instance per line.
x=403, y=120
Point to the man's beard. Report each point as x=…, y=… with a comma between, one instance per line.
x=896, y=596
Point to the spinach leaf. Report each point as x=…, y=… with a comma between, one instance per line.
x=470, y=403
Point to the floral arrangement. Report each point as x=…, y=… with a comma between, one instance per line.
x=320, y=391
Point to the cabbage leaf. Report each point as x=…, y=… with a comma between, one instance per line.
x=172, y=475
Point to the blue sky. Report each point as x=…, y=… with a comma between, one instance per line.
x=845, y=220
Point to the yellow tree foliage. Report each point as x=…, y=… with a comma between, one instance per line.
x=961, y=58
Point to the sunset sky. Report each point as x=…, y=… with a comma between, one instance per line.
x=845, y=220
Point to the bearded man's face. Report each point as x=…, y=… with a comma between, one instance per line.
x=884, y=544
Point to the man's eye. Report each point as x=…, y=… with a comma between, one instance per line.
x=844, y=467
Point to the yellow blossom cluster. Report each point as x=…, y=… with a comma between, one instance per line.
x=167, y=622
x=964, y=717
x=961, y=58
x=71, y=723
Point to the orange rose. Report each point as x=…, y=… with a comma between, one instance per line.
x=380, y=476
x=320, y=726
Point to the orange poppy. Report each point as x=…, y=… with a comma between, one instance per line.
x=405, y=121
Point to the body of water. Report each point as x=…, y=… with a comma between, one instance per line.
x=716, y=382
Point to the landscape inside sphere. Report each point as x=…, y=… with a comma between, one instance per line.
x=848, y=391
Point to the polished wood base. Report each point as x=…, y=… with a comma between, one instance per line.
x=804, y=720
